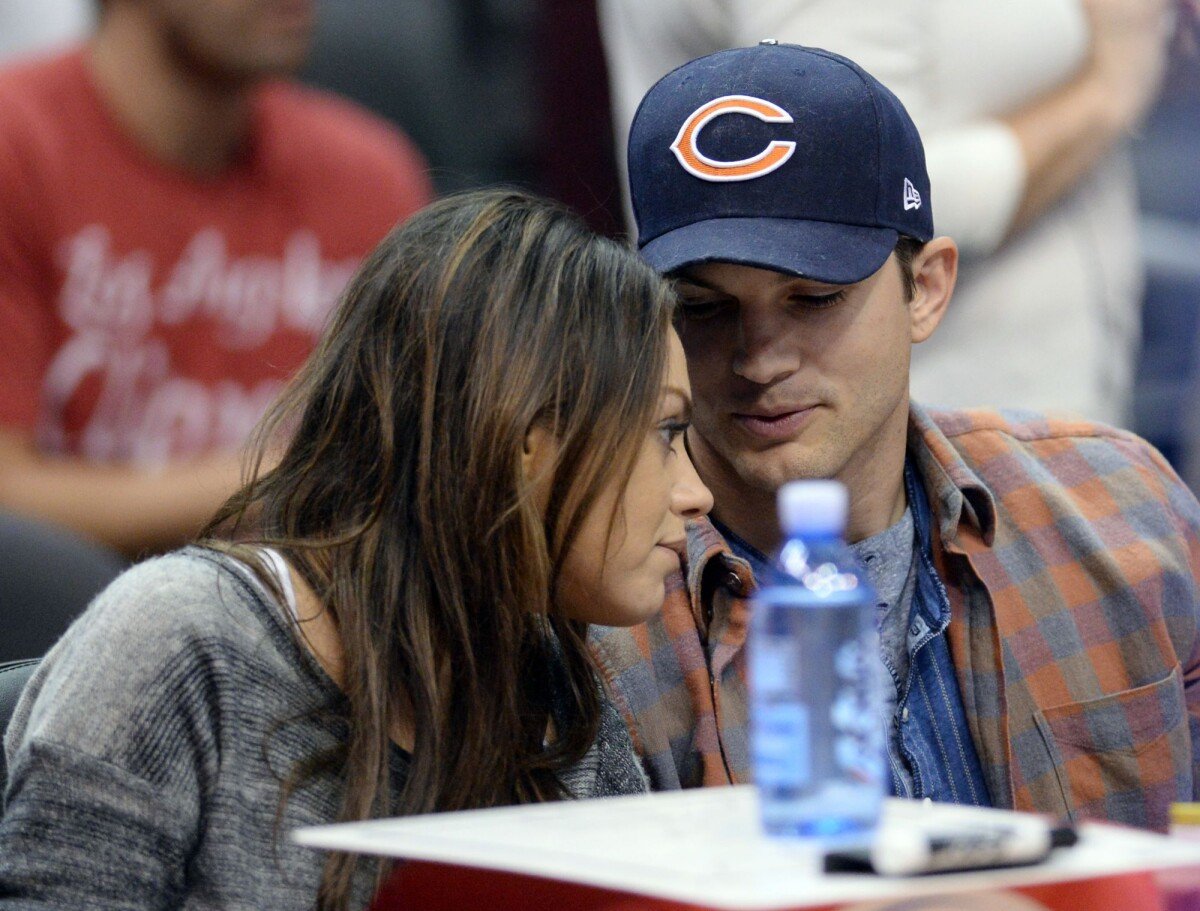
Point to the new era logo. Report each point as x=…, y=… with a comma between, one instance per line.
x=912, y=199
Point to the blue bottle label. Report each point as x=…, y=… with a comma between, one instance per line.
x=773, y=664
x=783, y=757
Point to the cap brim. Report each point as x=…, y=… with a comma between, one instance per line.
x=820, y=250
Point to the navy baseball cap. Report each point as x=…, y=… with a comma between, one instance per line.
x=784, y=157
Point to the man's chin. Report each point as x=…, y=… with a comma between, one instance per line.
x=768, y=471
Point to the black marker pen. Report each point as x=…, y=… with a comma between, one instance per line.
x=962, y=847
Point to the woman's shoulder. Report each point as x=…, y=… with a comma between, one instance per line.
x=610, y=767
x=176, y=643
x=190, y=594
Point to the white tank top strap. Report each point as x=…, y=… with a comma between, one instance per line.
x=279, y=569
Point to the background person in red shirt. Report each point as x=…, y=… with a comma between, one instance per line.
x=176, y=221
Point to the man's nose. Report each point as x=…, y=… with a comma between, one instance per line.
x=763, y=355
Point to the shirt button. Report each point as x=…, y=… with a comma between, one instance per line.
x=904, y=715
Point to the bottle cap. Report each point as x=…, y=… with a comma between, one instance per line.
x=813, y=507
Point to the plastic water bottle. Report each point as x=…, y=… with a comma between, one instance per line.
x=816, y=726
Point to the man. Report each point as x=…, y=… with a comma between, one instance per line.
x=1025, y=110
x=1037, y=577
x=176, y=222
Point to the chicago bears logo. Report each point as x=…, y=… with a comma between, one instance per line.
x=688, y=152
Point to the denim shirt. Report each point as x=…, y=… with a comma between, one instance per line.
x=939, y=758
x=934, y=736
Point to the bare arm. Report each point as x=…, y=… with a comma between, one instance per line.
x=128, y=509
x=1065, y=133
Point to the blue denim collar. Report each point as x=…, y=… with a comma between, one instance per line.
x=931, y=604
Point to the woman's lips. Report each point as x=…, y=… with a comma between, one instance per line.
x=677, y=546
x=780, y=426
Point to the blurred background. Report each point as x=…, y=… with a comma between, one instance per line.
x=1167, y=159
x=511, y=91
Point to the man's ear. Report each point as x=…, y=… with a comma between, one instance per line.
x=935, y=270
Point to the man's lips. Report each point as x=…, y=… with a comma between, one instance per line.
x=776, y=424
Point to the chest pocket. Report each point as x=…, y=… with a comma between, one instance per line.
x=1124, y=757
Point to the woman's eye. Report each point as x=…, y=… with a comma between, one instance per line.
x=670, y=431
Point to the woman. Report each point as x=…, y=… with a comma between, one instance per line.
x=483, y=456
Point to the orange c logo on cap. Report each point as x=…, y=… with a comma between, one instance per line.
x=766, y=161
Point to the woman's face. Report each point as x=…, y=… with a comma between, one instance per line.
x=615, y=571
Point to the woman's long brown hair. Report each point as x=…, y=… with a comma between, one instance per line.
x=400, y=495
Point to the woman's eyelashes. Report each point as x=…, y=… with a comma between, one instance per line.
x=671, y=430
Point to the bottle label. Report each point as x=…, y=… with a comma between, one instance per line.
x=773, y=665
x=783, y=757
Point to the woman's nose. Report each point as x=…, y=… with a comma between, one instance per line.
x=690, y=498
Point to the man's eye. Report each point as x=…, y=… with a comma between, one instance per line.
x=701, y=309
x=819, y=301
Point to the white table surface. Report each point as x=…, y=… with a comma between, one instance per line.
x=705, y=847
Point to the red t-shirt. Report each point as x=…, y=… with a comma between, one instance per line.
x=148, y=315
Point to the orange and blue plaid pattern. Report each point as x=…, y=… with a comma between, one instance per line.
x=1070, y=552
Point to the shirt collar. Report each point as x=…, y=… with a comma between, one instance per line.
x=956, y=492
x=711, y=562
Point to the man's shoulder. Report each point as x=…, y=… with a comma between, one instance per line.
x=984, y=436
x=1014, y=452
x=1021, y=426
x=329, y=132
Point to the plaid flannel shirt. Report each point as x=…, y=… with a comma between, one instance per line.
x=1070, y=552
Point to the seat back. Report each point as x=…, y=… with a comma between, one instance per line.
x=13, y=677
x=47, y=577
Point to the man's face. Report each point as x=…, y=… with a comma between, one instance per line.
x=793, y=378
x=238, y=41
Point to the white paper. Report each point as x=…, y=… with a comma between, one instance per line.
x=705, y=847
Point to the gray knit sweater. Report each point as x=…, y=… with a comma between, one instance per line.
x=146, y=755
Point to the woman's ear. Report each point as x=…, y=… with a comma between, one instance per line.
x=537, y=460
x=935, y=270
